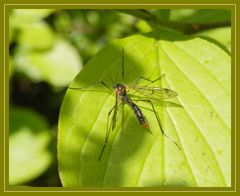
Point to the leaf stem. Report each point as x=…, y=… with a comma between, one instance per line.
x=155, y=21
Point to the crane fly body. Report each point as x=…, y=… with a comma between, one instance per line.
x=147, y=94
x=121, y=94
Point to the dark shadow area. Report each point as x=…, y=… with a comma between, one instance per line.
x=37, y=96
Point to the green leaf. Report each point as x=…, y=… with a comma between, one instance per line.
x=198, y=70
x=38, y=36
x=200, y=16
x=57, y=66
x=220, y=36
x=143, y=26
x=20, y=16
x=28, y=141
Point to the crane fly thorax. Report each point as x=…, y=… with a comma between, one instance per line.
x=120, y=91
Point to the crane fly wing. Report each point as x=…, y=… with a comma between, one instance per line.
x=155, y=92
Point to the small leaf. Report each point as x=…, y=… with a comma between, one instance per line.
x=58, y=66
x=38, y=36
x=143, y=26
x=197, y=70
x=28, y=141
x=20, y=16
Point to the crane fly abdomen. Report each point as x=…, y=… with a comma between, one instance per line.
x=142, y=120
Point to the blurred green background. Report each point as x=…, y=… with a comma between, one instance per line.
x=47, y=48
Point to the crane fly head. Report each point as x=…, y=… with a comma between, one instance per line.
x=120, y=89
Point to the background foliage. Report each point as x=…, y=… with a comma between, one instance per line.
x=47, y=49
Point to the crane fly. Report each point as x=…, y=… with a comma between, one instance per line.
x=146, y=93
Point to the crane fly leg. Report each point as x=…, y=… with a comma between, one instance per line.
x=158, y=120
